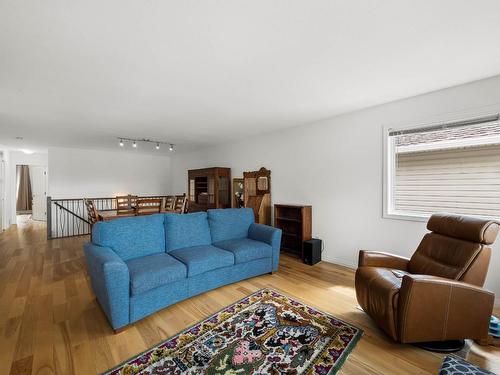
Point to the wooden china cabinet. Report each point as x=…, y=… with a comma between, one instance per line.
x=209, y=188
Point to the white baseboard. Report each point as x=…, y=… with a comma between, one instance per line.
x=340, y=261
x=497, y=302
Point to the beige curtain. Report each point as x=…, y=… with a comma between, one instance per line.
x=24, y=194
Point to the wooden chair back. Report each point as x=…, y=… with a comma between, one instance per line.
x=169, y=203
x=92, y=215
x=148, y=206
x=180, y=204
x=125, y=204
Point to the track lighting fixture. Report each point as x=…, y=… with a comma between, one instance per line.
x=134, y=142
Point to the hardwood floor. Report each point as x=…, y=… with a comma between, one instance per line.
x=51, y=323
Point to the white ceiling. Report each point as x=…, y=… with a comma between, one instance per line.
x=80, y=73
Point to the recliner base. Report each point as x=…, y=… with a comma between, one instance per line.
x=448, y=346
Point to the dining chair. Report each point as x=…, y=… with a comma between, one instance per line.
x=148, y=206
x=92, y=215
x=169, y=203
x=180, y=204
x=125, y=204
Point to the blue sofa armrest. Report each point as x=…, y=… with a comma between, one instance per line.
x=111, y=282
x=269, y=235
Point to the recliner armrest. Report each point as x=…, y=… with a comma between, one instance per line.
x=380, y=259
x=110, y=279
x=433, y=308
x=269, y=235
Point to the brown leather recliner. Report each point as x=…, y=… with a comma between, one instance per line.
x=436, y=295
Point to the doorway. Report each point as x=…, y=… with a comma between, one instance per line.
x=39, y=186
x=31, y=192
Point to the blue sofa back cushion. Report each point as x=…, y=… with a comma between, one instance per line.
x=131, y=237
x=186, y=230
x=230, y=223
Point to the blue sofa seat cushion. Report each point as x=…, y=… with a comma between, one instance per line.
x=131, y=237
x=246, y=250
x=152, y=271
x=229, y=223
x=186, y=230
x=201, y=259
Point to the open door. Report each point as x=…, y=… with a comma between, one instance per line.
x=38, y=175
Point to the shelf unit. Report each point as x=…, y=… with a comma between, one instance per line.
x=209, y=188
x=295, y=222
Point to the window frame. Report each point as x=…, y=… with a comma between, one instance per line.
x=389, y=165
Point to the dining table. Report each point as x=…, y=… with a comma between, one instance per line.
x=112, y=214
x=107, y=215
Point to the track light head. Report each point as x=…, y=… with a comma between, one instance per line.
x=121, y=143
x=134, y=144
x=157, y=145
x=171, y=148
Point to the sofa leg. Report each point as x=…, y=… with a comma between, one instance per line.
x=270, y=273
x=121, y=329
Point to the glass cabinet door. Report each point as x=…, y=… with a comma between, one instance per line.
x=192, y=190
x=211, y=189
x=223, y=191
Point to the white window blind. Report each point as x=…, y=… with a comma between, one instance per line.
x=452, y=167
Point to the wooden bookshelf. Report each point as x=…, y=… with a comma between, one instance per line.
x=295, y=222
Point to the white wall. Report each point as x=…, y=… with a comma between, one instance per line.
x=4, y=212
x=336, y=166
x=15, y=158
x=77, y=173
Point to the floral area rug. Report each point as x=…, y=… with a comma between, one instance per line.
x=264, y=333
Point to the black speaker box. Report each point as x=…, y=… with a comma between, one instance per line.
x=312, y=251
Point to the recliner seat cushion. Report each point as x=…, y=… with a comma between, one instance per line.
x=131, y=237
x=200, y=259
x=152, y=271
x=245, y=249
x=231, y=223
x=186, y=230
x=377, y=291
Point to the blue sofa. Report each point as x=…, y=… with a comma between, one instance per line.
x=139, y=265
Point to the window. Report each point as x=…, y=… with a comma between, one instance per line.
x=451, y=167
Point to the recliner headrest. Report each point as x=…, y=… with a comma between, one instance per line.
x=464, y=227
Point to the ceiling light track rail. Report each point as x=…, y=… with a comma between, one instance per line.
x=135, y=141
